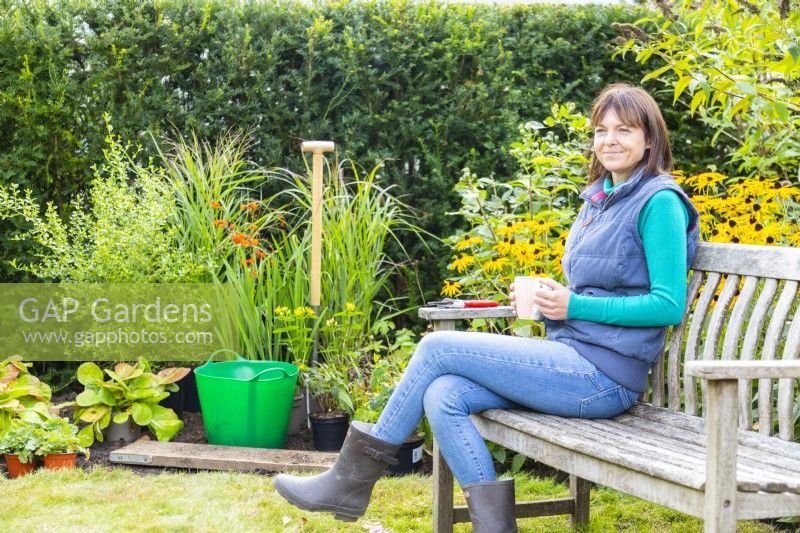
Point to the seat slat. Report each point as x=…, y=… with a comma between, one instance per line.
x=770, y=347
x=642, y=447
x=546, y=427
x=683, y=464
x=751, y=474
x=782, y=463
x=696, y=424
x=693, y=340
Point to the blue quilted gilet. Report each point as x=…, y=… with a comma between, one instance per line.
x=604, y=256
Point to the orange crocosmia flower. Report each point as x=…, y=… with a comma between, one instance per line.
x=216, y=205
x=253, y=227
x=252, y=206
x=220, y=223
x=239, y=238
x=261, y=253
x=250, y=260
x=253, y=242
x=254, y=273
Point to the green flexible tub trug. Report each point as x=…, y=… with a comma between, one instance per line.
x=246, y=403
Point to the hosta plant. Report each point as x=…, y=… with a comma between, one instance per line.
x=131, y=391
x=22, y=396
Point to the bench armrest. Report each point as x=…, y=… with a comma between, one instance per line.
x=449, y=313
x=716, y=370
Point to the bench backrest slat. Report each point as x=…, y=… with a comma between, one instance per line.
x=733, y=337
x=786, y=386
x=771, y=340
x=696, y=327
x=676, y=345
x=749, y=260
x=740, y=302
x=750, y=345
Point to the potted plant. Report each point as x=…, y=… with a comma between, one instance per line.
x=130, y=396
x=18, y=444
x=22, y=395
x=294, y=332
x=371, y=395
x=58, y=443
x=185, y=400
x=329, y=385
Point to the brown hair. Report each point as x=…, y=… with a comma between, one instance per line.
x=636, y=108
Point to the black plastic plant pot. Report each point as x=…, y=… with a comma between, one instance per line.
x=188, y=388
x=409, y=457
x=186, y=398
x=328, y=431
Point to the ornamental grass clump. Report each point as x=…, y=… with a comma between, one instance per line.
x=359, y=218
x=244, y=238
x=261, y=245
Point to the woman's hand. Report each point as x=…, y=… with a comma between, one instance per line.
x=552, y=299
x=512, y=297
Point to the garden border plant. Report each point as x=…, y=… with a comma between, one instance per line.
x=132, y=392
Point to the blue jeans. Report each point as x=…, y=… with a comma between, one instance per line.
x=455, y=373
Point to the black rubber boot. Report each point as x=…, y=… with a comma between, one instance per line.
x=491, y=506
x=344, y=489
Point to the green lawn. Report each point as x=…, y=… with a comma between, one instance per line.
x=119, y=500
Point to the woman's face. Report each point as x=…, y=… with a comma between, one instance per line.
x=617, y=146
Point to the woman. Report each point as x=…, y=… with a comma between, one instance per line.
x=626, y=260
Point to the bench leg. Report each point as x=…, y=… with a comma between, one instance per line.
x=442, y=493
x=579, y=489
x=721, y=419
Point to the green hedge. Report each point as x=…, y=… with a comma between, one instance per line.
x=433, y=88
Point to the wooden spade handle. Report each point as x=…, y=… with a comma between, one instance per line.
x=317, y=148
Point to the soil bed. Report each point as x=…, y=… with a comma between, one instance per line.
x=193, y=432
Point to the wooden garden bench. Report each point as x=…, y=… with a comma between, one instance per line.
x=679, y=446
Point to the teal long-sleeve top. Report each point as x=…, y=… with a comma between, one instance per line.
x=662, y=226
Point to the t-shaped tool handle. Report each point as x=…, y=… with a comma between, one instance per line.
x=317, y=148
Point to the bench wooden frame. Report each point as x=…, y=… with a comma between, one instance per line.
x=663, y=450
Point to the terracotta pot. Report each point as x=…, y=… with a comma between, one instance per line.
x=15, y=468
x=55, y=461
